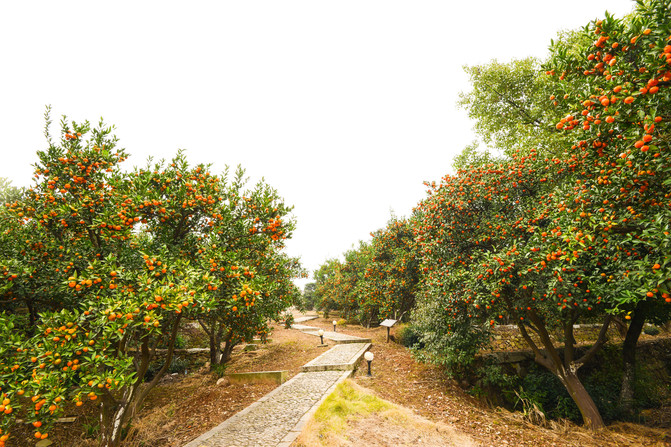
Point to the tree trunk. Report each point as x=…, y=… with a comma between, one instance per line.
x=626, y=401
x=590, y=413
x=226, y=352
x=566, y=369
x=214, y=332
x=114, y=417
x=215, y=355
x=31, y=316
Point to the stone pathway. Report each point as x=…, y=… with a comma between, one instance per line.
x=305, y=318
x=337, y=337
x=302, y=327
x=278, y=418
x=339, y=358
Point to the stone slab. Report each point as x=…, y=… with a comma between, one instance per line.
x=342, y=357
x=302, y=327
x=305, y=318
x=339, y=337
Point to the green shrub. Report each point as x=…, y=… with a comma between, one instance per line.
x=177, y=365
x=409, y=336
x=180, y=342
x=219, y=370
x=651, y=330
x=492, y=375
x=544, y=389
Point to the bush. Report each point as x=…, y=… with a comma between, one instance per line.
x=544, y=389
x=409, y=336
x=178, y=365
x=180, y=342
x=219, y=370
x=651, y=330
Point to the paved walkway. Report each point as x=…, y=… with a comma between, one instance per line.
x=342, y=357
x=278, y=418
x=305, y=318
x=338, y=337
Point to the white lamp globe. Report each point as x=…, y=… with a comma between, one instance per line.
x=368, y=356
x=320, y=332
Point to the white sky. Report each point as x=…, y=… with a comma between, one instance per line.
x=344, y=107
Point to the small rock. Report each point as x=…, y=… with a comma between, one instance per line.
x=224, y=381
x=66, y=419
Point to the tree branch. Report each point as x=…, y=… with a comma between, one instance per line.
x=596, y=346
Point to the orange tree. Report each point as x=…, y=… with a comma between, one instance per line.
x=337, y=283
x=326, y=278
x=619, y=122
x=107, y=265
x=235, y=236
x=391, y=273
x=493, y=252
x=87, y=275
x=542, y=241
x=377, y=280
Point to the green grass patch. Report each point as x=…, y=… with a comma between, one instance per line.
x=347, y=402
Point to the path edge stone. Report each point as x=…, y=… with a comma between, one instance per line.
x=298, y=428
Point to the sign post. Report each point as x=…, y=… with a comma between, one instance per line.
x=388, y=324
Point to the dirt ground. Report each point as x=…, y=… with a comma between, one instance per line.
x=184, y=406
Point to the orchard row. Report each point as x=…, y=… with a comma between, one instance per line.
x=571, y=224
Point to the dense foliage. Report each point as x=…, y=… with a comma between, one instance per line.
x=376, y=281
x=569, y=222
x=98, y=267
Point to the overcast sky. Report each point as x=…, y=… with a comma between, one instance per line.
x=344, y=107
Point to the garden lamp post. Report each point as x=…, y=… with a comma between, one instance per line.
x=334, y=325
x=321, y=335
x=369, y=358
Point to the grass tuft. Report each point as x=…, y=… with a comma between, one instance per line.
x=348, y=401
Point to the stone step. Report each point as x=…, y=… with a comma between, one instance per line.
x=341, y=357
x=302, y=327
x=338, y=337
x=305, y=318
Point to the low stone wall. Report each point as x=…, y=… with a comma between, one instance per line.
x=508, y=346
x=190, y=354
x=509, y=338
